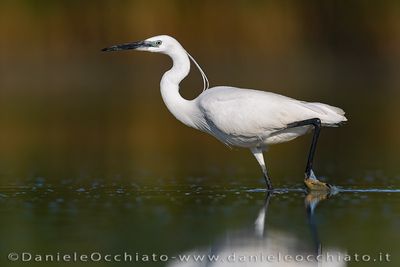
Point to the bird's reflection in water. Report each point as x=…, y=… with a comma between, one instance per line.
x=266, y=247
x=311, y=201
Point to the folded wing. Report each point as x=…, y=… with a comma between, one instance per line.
x=246, y=112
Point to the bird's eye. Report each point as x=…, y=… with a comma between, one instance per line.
x=158, y=43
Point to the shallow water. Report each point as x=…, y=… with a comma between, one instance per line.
x=230, y=221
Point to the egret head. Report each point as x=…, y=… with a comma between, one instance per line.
x=160, y=44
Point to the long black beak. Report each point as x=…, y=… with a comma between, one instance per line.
x=127, y=46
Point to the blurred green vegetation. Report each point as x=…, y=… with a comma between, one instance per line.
x=91, y=159
x=66, y=109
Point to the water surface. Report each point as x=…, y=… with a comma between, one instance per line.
x=171, y=220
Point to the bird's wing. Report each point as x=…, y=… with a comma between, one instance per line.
x=246, y=112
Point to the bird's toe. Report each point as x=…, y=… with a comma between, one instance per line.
x=317, y=185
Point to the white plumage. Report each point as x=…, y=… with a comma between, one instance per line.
x=251, y=118
x=237, y=117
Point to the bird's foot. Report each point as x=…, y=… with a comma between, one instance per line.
x=317, y=185
x=313, y=184
x=268, y=183
x=270, y=189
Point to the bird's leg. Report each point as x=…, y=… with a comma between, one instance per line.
x=257, y=152
x=311, y=180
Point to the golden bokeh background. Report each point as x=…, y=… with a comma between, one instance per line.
x=67, y=110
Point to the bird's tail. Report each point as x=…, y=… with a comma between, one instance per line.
x=330, y=116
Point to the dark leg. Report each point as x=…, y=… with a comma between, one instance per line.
x=317, y=128
x=267, y=179
x=258, y=154
x=310, y=180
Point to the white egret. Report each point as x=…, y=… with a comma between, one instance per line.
x=239, y=117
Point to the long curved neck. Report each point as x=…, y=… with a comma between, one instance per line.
x=184, y=110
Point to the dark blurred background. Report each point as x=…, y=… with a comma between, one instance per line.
x=68, y=111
